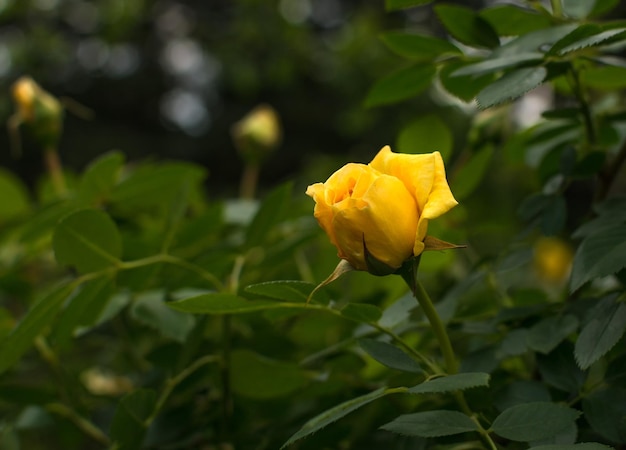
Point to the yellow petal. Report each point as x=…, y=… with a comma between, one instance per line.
x=386, y=220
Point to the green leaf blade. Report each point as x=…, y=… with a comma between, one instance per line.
x=269, y=214
x=431, y=424
x=87, y=239
x=467, y=26
x=220, y=303
x=456, y=382
x=400, y=85
x=389, y=355
x=533, y=421
x=417, y=47
x=511, y=86
x=128, y=427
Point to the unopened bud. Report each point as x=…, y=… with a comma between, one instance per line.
x=38, y=110
x=257, y=134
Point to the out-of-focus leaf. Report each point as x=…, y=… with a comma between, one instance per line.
x=14, y=196
x=256, y=376
x=512, y=85
x=604, y=78
x=270, y=213
x=548, y=333
x=218, y=303
x=431, y=424
x=519, y=392
x=334, y=414
x=511, y=20
x=599, y=255
x=362, y=312
x=393, y=5
x=100, y=176
x=463, y=87
x=605, y=410
x=577, y=9
x=32, y=324
x=554, y=216
x=87, y=240
x=150, y=309
x=533, y=421
x=400, y=85
x=456, y=382
x=389, y=355
x=468, y=177
x=424, y=135
x=465, y=25
x=603, y=6
x=417, y=46
x=82, y=309
x=583, y=446
x=559, y=369
x=602, y=332
x=128, y=426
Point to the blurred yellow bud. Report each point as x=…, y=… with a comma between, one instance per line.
x=553, y=259
x=39, y=110
x=257, y=134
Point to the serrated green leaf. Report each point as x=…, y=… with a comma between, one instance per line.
x=431, y=424
x=416, y=46
x=533, y=421
x=426, y=134
x=540, y=40
x=149, y=308
x=548, y=333
x=400, y=85
x=586, y=36
x=491, y=65
x=393, y=5
x=605, y=410
x=362, y=312
x=582, y=446
x=463, y=87
x=468, y=177
x=511, y=86
x=88, y=240
x=334, y=414
x=559, y=368
x=256, y=376
x=456, y=382
x=270, y=213
x=32, y=324
x=285, y=290
x=601, y=333
x=389, y=355
x=128, y=426
x=599, y=255
x=465, y=25
x=219, y=303
x=512, y=20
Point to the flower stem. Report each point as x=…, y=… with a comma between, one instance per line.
x=55, y=170
x=437, y=326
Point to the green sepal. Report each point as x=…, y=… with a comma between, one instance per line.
x=374, y=265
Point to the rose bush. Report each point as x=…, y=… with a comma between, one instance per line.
x=382, y=209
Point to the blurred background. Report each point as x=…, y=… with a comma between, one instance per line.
x=167, y=79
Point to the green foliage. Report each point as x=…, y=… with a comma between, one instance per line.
x=138, y=311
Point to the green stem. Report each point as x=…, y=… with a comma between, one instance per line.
x=171, y=384
x=557, y=10
x=82, y=423
x=437, y=326
x=249, y=181
x=55, y=170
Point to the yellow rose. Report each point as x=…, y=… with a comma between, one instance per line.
x=384, y=206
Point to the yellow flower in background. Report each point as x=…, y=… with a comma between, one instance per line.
x=552, y=258
x=381, y=210
x=257, y=134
